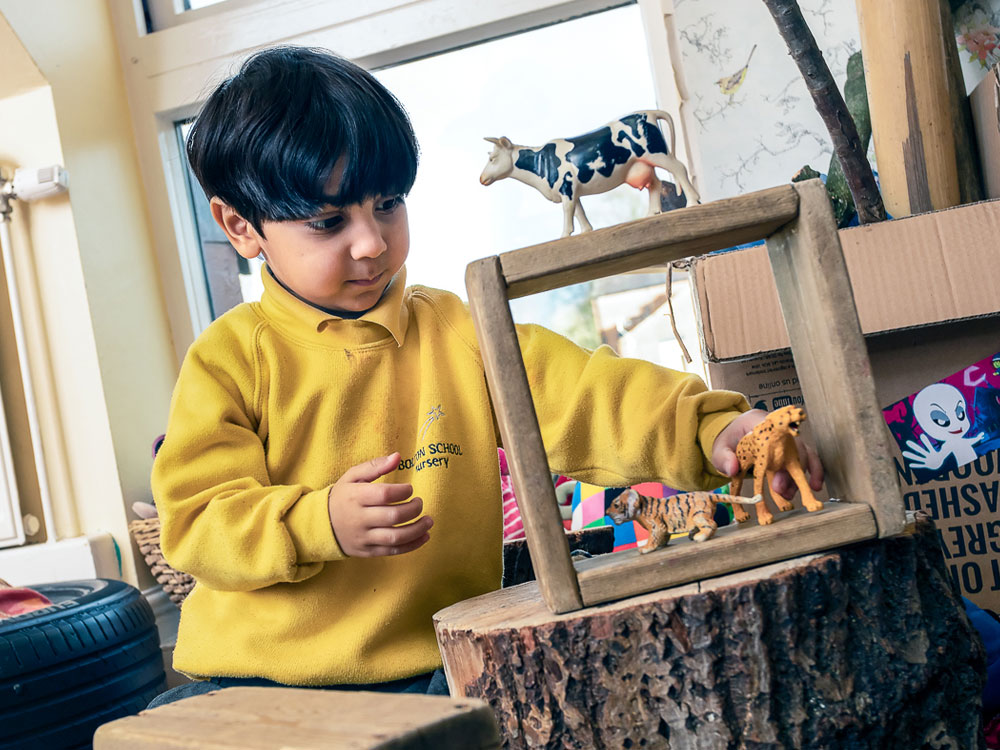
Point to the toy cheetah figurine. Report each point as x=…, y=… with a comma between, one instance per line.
x=769, y=448
x=662, y=516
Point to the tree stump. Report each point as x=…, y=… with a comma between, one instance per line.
x=866, y=646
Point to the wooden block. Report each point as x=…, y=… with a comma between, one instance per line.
x=270, y=718
x=832, y=361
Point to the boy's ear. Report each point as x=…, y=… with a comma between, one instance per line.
x=241, y=233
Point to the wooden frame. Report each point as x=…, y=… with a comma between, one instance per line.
x=830, y=356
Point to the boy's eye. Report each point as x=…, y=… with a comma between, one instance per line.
x=390, y=204
x=327, y=224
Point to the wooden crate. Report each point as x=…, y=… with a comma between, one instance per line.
x=830, y=357
x=266, y=718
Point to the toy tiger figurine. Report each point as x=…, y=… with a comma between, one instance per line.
x=662, y=516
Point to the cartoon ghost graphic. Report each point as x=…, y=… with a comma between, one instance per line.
x=941, y=412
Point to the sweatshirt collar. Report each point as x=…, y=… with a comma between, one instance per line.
x=299, y=316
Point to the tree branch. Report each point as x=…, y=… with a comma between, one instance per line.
x=831, y=107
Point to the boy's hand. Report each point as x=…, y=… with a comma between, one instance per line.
x=365, y=517
x=725, y=461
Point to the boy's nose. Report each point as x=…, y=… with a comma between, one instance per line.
x=367, y=241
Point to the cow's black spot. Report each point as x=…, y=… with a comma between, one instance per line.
x=644, y=131
x=567, y=186
x=637, y=148
x=589, y=146
x=542, y=162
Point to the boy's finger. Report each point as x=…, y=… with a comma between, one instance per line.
x=400, y=536
x=783, y=485
x=815, y=469
x=393, y=515
x=400, y=550
x=725, y=462
x=384, y=494
x=371, y=470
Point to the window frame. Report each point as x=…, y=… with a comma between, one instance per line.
x=168, y=72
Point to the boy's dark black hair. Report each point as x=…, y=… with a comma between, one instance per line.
x=268, y=138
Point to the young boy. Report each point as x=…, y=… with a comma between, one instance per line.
x=329, y=474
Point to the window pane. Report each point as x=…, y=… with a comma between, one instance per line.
x=530, y=87
x=558, y=81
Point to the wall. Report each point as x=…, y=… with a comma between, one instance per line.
x=761, y=132
x=102, y=323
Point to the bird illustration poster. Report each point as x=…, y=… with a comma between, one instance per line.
x=748, y=115
x=950, y=423
x=730, y=84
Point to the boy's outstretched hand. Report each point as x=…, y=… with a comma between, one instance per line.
x=725, y=461
x=365, y=517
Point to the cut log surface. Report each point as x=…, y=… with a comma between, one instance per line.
x=865, y=646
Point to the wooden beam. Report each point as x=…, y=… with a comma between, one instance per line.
x=656, y=240
x=522, y=438
x=917, y=132
x=735, y=547
x=831, y=359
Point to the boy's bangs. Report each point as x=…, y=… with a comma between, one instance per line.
x=376, y=146
x=380, y=159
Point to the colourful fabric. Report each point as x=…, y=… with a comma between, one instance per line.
x=20, y=601
x=992, y=732
x=277, y=399
x=590, y=505
x=987, y=625
x=513, y=528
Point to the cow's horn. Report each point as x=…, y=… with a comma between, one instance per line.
x=493, y=140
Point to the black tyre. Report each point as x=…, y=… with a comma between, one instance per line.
x=92, y=657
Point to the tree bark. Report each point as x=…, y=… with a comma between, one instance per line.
x=831, y=107
x=867, y=646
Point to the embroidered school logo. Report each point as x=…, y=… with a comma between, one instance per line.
x=433, y=415
x=432, y=455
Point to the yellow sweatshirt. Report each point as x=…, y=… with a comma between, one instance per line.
x=277, y=399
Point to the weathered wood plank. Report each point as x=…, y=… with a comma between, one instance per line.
x=266, y=718
x=831, y=359
x=735, y=547
x=652, y=241
x=521, y=435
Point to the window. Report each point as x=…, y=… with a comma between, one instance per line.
x=162, y=14
x=530, y=88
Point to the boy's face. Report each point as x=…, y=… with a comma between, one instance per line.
x=341, y=259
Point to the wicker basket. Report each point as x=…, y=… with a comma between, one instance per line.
x=146, y=533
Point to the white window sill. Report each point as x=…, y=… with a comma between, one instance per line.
x=75, y=559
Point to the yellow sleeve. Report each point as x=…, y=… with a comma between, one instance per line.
x=613, y=421
x=221, y=520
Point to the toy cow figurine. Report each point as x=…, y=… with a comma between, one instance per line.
x=626, y=150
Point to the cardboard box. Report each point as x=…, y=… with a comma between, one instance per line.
x=927, y=290
x=985, y=104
